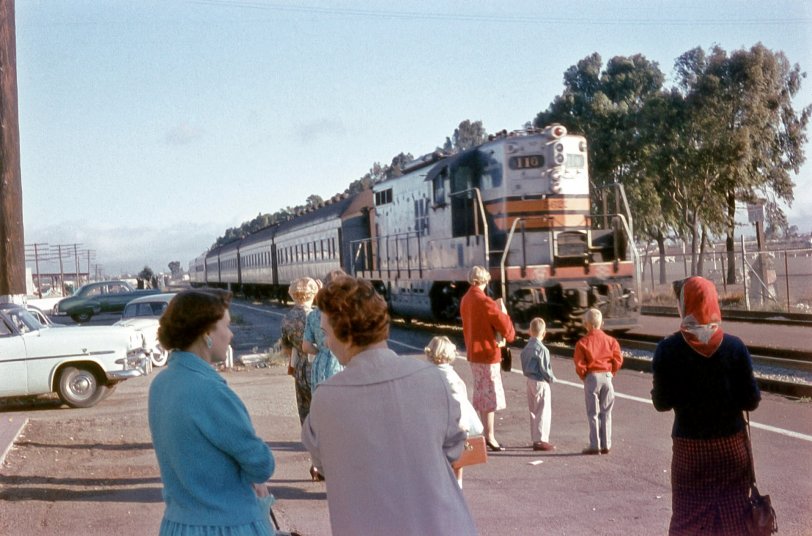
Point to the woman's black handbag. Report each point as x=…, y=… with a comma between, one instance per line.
x=760, y=516
x=507, y=358
x=761, y=519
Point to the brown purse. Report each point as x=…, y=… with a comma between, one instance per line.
x=473, y=453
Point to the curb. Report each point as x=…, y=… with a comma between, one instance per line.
x=10, y=429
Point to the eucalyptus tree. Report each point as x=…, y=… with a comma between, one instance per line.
x=747, y=135
x=468, y=134
x=607, y=106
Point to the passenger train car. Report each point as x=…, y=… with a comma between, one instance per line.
x=518, y=204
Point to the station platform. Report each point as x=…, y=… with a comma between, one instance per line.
x=11, y=426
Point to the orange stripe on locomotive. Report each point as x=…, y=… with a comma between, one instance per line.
x=554, y=212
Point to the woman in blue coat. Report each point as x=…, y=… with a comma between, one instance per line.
x=213, y=465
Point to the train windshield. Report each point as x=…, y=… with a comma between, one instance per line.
x=575, y=161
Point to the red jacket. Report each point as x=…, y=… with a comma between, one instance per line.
x=482, y=319
x=597, y=352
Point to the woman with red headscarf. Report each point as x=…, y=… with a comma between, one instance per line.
x=706, y=377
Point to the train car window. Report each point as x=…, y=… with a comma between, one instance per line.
x=439, y=188
x=421, y=216
x=492, y=173
x=4, y=329
x=463, y=215
x=383, y=197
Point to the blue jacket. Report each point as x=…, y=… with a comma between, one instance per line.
x=208, y=452
x=536, y=361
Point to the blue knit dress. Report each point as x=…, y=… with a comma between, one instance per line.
x=208, y=453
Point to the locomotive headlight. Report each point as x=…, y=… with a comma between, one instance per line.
x=582, y=146
x=555, y=183
x=559, y=147
x=559, y=158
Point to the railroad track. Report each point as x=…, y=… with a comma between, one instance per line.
x=761, y=317
x=775, y=358
x=762, y=355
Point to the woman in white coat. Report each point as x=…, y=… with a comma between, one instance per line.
x=385, y=431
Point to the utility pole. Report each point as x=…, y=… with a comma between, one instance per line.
x=61, y=269
x=12, y=242
x=90, y=253
x=76, y=264
x=37, y=248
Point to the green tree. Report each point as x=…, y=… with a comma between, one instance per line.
x=746, y=128
x=314, y=201
x=468, y=134
x=609, y=108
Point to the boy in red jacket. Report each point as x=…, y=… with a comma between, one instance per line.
x=597, y=359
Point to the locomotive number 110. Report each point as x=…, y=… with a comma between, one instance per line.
x=526, y=162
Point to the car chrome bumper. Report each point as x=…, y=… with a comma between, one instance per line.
x=135, y=364
x=118, y=375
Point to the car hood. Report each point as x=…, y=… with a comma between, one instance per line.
x=92, y=337
x=138, y=323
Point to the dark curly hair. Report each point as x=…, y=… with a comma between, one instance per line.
x=355, y=311
x=190, y=314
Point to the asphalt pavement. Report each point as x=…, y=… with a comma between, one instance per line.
x=10, y=428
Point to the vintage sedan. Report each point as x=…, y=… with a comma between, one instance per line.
x=142, y=314
x=81, y=364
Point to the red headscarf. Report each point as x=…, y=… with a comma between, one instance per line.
x=699, y=309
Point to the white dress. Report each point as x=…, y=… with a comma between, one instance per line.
x=469, y=420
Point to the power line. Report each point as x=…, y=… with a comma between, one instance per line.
x=500, y=17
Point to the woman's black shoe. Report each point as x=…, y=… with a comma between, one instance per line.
x=494, y=448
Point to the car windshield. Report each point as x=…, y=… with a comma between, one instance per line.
x=134, y=310
x=23, y=320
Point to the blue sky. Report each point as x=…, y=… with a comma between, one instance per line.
x=147, y=128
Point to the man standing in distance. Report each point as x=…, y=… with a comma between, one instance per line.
x=482, y=319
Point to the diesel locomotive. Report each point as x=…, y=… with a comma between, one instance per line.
x=519, y=204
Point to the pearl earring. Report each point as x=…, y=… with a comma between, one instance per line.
x=209, y=342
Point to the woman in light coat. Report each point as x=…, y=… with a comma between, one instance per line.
x=385, y=430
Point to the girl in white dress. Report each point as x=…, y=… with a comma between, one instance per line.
x=442, y=352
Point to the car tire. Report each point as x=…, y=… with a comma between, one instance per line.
x=82, y=317
x=108, y=391
x=78, y=387
x=159, y=358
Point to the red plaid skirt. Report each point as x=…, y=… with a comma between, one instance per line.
x=710, y=483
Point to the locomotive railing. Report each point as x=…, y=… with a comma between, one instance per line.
x=372, y=257
x=621, y=198
x=520, y=220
